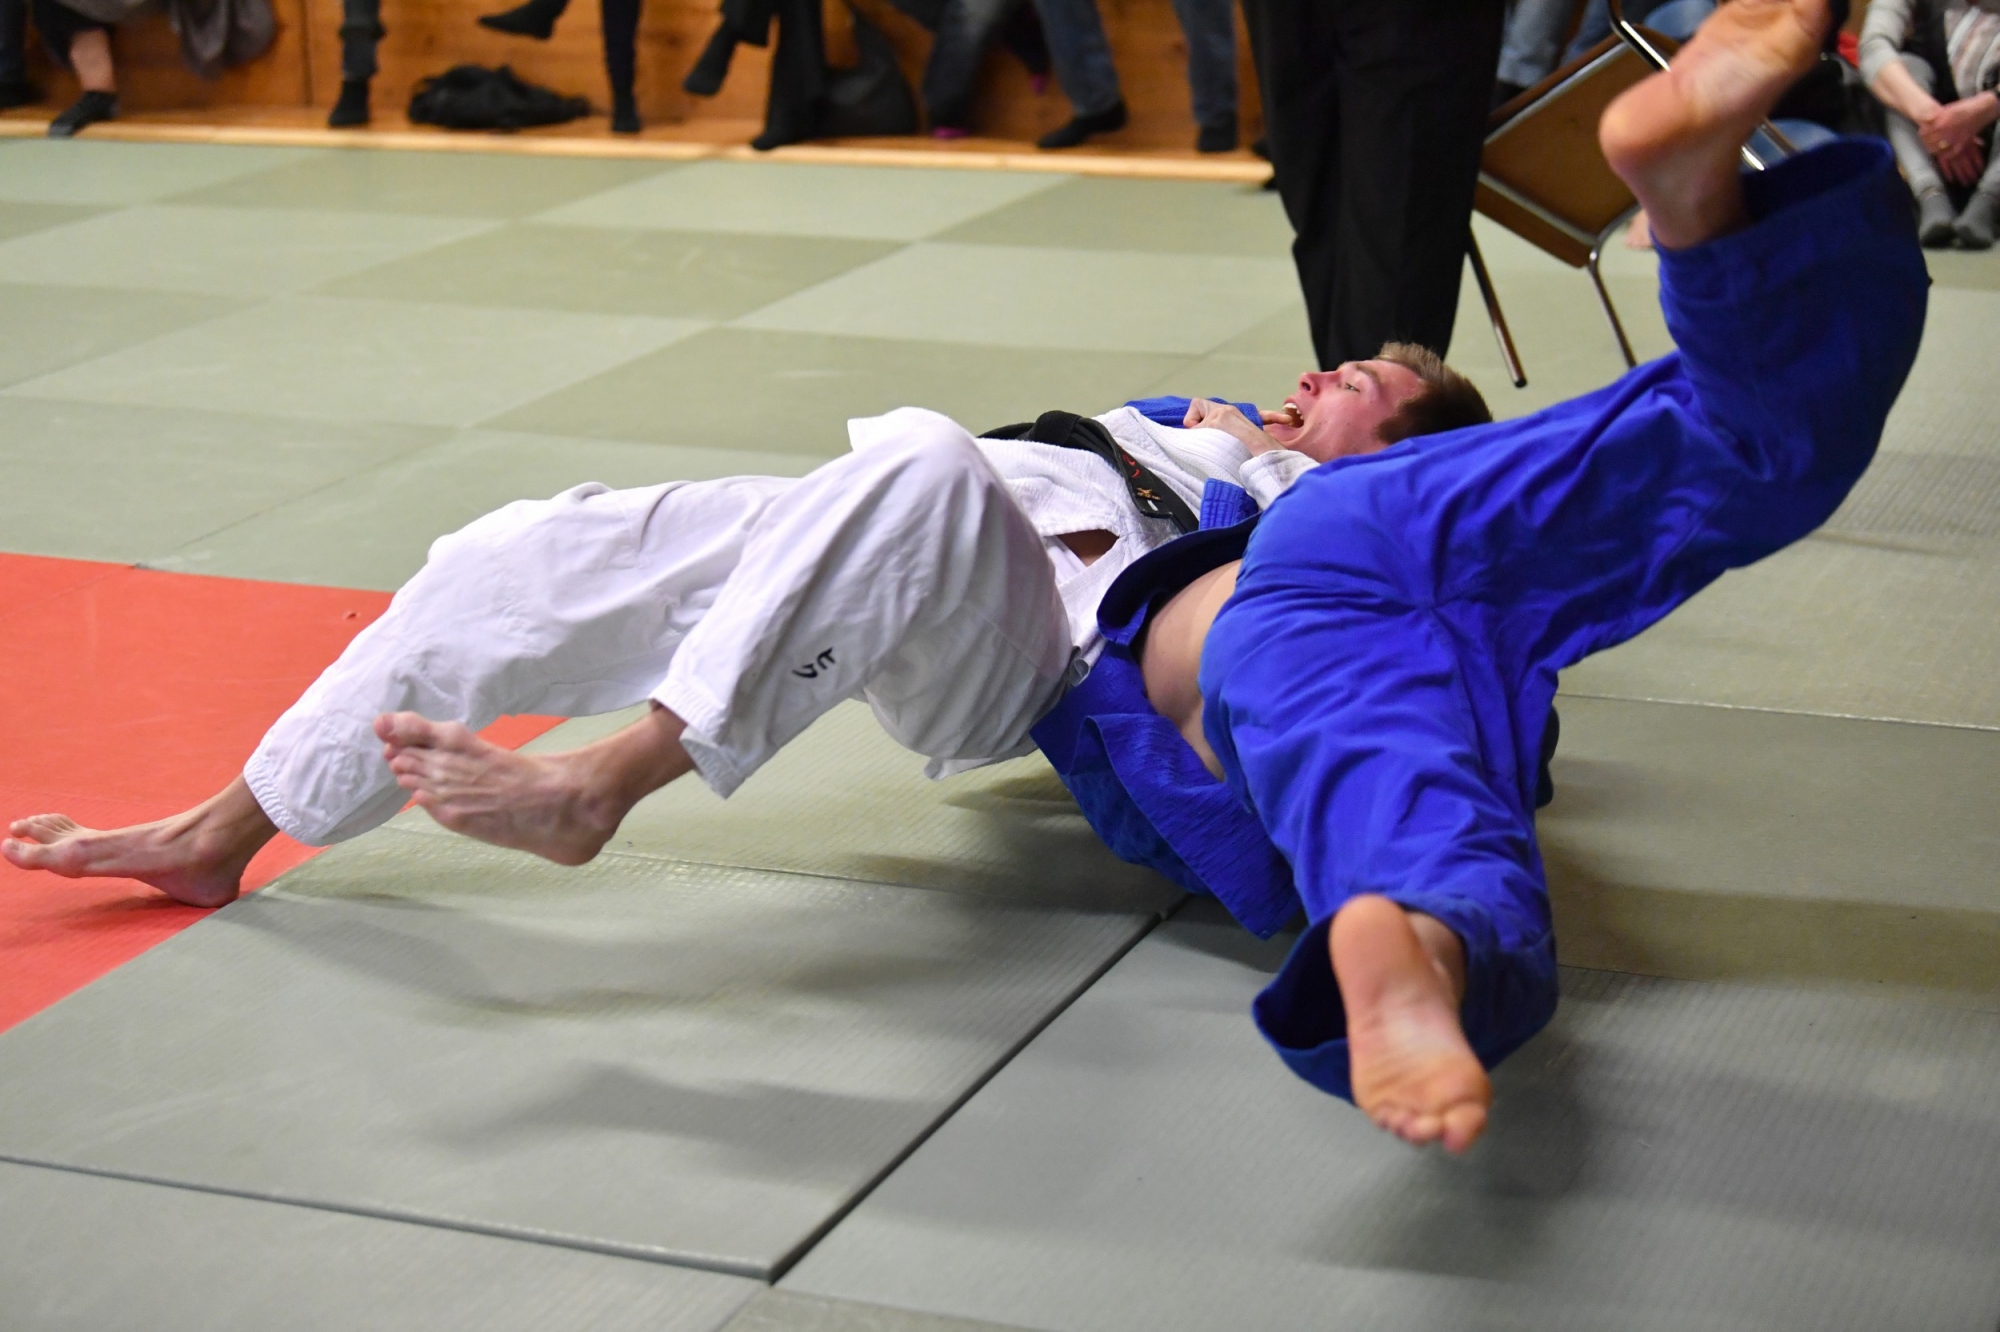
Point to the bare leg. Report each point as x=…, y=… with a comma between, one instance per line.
x=90, y=56
x=1402, y=975
x=196, y=857
x=562, y=807
x=1673, y=137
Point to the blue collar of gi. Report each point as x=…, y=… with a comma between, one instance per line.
x=1140, y=785
x=1152, y=579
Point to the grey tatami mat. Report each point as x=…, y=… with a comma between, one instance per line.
x=1715, y=843
x=85, y=1254
x=845, y=800
x=1670, y=1155
x=640, y=1057
x=782, y=1311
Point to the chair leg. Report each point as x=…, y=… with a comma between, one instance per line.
x=1508, y=356
x=1610, y=310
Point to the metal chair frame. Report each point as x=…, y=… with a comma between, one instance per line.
x=1634, y=38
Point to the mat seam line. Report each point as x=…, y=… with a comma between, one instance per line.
x=991, y=899
x=797, y=1254
x=1779, y=712
x=552, y=1240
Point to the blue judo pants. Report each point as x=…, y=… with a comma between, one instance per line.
x=1377, y=686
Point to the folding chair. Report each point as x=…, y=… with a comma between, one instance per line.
x=1544, y=178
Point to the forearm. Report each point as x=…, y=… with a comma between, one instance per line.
x=1883, y=33
x=1898, y=90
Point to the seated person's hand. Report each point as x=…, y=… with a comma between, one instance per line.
x=1202, y=412
x=1956, y=125
x=1965, y=165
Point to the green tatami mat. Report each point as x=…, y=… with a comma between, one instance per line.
x=375, y=528
x=1844, y=623
x=108, y=173
x=1163, y=216
x=47, y=328
x=82, y=1253
x=106, y=482
x=684, y=1063
x=1027, y=296
x=1668, y=1155
x=441, y=184
x=220, y=251
x=689, y=274
x=793, y=199
x=1725, y=843
x=795, y=392
x=847, y=802
x=322, y=357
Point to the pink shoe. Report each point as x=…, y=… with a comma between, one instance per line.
x=950, y=132
x=1039, y=82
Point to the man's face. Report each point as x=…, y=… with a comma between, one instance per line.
x=1340, y=413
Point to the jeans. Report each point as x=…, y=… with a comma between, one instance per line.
x=1082, y=56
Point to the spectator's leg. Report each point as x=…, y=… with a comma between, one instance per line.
x=361, y=31
x=1533, y=41
x=965, y=28
x=85, y=46
x=621, y=41
x=1979, y=219
x=536, y=19
x=1210, y=29
x=15, y=90
x=1934, y=211
x=1082, y=57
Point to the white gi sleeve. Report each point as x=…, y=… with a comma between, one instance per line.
x=1271, y=474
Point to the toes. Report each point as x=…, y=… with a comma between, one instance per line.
x=1462, y=1126
x=406, y=730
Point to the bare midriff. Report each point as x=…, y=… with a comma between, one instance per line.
x=1170, y=658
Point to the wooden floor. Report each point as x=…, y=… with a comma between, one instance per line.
x=305, y=126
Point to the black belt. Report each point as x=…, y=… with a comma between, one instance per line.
x=1067, y=430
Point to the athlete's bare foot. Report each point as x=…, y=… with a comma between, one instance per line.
x=1674, y=137
x=562, y=807
x=1401, y=976
x=196, y=857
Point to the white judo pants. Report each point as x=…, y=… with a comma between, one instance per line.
x=904, y=574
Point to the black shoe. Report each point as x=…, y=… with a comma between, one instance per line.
x=1082, y=127
x=85, y=110
x=712, y=66
x=352, y=108
x=1261, y=146
x=1217, y=138
x=624, y=114
x=18, y=92
x=536, y=19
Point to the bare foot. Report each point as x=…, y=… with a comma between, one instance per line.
x=197, y=857
x=1400, y=977
x=1674, y=137
x=562, y=807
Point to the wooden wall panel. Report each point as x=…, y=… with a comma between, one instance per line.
x=426, y=36
x=152, y=76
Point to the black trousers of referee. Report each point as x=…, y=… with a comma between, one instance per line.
x=1375, y=111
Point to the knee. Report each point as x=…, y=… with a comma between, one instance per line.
x=929, y=455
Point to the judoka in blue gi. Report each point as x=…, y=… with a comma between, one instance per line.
x=1334, y=707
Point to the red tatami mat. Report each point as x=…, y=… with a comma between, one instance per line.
x=125, y=695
